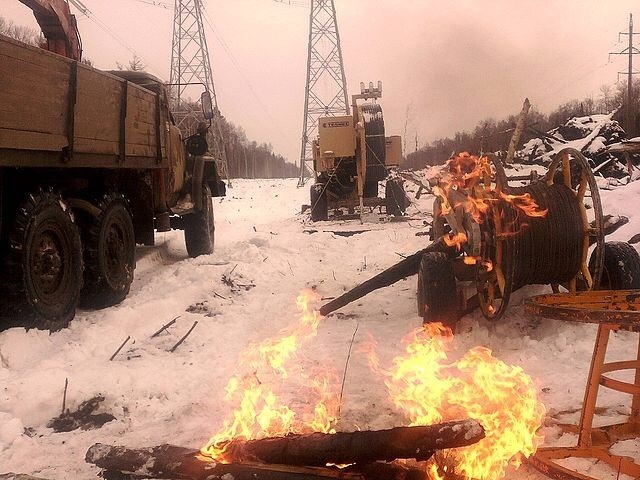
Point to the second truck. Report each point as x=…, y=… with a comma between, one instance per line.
x=91, y=164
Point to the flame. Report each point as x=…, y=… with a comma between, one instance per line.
x=467, y=189
x=429, y=388
x=260, y=412
x=424, y=383
x=455, y=239
x=525, y=203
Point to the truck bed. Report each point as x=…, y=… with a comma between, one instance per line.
x=55, y=112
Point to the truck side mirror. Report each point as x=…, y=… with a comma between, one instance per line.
x=207, y=105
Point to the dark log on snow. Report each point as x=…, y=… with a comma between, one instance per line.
x=403, y=269
x=318, y=449
x=294, y=457
x=169, y=462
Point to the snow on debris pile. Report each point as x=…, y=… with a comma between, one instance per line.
x=590, y=134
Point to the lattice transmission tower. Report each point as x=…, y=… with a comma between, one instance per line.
x=190, y=65
x=326, y=90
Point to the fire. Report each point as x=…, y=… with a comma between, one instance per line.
x=424, y=384
x=525, y=203
x=259, y=411
x=467, y=188
x=428, y=387
x=455, y=240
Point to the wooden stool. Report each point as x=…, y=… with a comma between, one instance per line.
x=611, y=310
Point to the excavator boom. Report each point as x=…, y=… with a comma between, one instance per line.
x=58, y=26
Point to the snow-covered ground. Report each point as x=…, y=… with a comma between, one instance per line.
x=273, y=252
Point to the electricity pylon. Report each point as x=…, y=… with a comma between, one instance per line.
x=190, y=65
x=326, y=90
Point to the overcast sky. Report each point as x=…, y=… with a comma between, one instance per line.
x=448, y=63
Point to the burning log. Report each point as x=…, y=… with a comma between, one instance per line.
x=288, y=458
x=318, y=449
x=403, y=269
x=170, y=461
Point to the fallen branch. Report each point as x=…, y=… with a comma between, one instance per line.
x=403, y=269
x=64, y=396
x=173, y=349
x=120, y=348
x=164, y=327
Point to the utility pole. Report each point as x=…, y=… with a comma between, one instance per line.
x=630, y=51
x=324, y=67
x=190, y=65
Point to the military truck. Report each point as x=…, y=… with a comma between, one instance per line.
x=91, y=164
x=351, y=156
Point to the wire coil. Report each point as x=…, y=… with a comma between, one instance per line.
x=543, y=250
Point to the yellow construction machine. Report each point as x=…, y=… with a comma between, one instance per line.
x=351, y=156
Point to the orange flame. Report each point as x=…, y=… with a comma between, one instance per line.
x=455, y=239
x=526, y=204
x=467, y=189
x=259, y=412
x=429, y=388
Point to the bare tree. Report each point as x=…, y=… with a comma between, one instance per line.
x=21, y=33
x=135, y=65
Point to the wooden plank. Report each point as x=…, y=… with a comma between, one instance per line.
x=29, y=54
x=27, y=140
x=97, y=107
x=137, y=150
x=92, y=145
x=33, y=98
x=34, y=104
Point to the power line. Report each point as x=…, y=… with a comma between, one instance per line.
x=155, y=3
x=236, y=64
x=82, y=8
x=293, y=3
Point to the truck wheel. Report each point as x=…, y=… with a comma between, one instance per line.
x=319, y=205
x=45, y=261
x=437, y=295
x=199, y=228
x=395, y=198
x=621, y=269
x=109, y=253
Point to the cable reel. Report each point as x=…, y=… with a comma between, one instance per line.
x=513, y=246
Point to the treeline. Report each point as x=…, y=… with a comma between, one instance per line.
x=494, y=135
x=27, y=35
x=249, y=159
x=245, y=158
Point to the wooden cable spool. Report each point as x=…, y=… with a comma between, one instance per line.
x=552, y=249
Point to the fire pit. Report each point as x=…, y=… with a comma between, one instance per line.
x=264, y=438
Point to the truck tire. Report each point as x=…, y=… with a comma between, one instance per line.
x=109, y=253
x=437, y=294
x=621, y=269
x=199, y=228
x=395, y=198
x=45, y=262
x=319, y=204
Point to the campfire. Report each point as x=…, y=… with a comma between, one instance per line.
x=483, y=412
